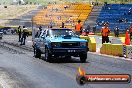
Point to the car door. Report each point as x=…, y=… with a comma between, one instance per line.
x=42, y=40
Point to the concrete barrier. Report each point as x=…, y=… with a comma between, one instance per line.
x=117, y=50
x=108, y=49
x=122, y=39
x=128, y=51
x=112, y=49
x=103, y=49
x=91, y=42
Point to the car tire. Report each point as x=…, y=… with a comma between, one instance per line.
x=83, y=58
x=47, y=55
x=37, y=53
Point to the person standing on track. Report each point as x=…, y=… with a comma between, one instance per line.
x=24, y=35
x=78, y=27
x=38, y=32
x=19, y=33
x=105, y=31
x=116, y=31
x=131, y=33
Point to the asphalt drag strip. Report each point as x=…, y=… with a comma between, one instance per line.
x=30, y=72
x=9, y=81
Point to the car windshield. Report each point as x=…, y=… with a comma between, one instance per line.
x=62, y=32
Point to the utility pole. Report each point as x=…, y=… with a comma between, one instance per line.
x=33, y=31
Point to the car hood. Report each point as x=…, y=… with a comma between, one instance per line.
x=61, y=39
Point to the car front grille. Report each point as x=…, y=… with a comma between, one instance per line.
x=70, y=44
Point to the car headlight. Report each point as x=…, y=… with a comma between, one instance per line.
x=55, y=44
x=83, y=43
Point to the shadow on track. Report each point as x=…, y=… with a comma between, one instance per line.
x=65, y=60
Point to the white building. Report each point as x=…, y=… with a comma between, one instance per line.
x=18, y=1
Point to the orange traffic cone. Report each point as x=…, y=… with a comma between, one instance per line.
x=127, y=38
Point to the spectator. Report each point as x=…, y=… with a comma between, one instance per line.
x=94, y=29
x=19, y=33
x=116, y=31
x=120, y=20
x=24, y=35
x=59, y=17
x=65, y=7
x=105, y=33
x=39, y=31
x=78, y=27
x=88, y=28
x=101, y=23
x=129, y=12
x=131, y=33
x=63, y=25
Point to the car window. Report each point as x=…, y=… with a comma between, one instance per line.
x=47, y=33
x=62, y=32
x=43, y=34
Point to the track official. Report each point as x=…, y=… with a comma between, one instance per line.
x=78, y=27
x=105, y=31
x=131, y=33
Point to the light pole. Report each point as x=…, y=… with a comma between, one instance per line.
x=33, y=31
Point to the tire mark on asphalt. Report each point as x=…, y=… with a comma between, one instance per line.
x=9, y=81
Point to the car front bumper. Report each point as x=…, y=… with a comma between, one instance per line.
x=68, y=51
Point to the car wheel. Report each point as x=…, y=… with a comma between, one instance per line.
x=83, y=58
x=47, y=55
x=37, y=53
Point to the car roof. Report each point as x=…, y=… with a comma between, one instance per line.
x=59, y=29
x=46, y=29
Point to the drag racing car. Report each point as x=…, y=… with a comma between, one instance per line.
x=60, y=42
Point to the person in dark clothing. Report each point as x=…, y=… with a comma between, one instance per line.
x=63, y=25
x=88, y=28
x=24, y=35
x=116, y=31
x=19, y=33
x=38, y=32
x=94, y=29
